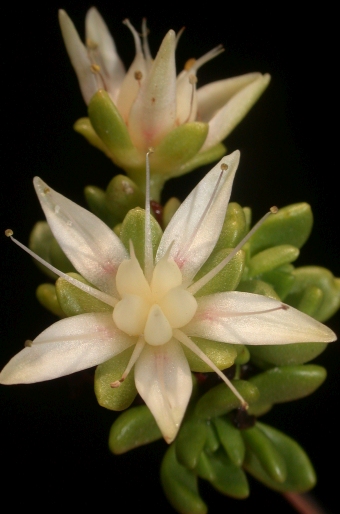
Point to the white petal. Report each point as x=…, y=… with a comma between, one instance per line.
x=130, y=86
x=78, y=56
x=218, y=317
x=93, y=248
x=112, y=68
x=193, y=238
x=163, y=380
x=234, y=111
x=153, y=114
x=213, y=96
x=67, y=346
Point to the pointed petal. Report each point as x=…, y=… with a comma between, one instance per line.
x=67, y=346
x=112, y=68
x=193, y=238
x=153, y=114
x=219, y=318
x=213, y=96
x=234, y=111
x=78, y=56
x=131, y=85
x=163, y=380
x=93, y=248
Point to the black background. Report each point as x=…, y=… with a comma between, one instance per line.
x=53, y=434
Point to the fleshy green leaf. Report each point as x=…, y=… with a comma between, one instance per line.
x=300, y=473
x=180, y=485
x=222, y=355
x=74, y=301
x=190, y=442
x=47, y=296
x=231, y=440
x=134, y=427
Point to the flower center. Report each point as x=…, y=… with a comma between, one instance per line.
x=152, y=310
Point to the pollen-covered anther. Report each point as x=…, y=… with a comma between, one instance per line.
x=8, y=232
x=117, y=383
x=192, y=79
x=189, y=64
x=224, y=166
x=95, y=68
x=138, y=75
x=274, y=209
x=91, y=45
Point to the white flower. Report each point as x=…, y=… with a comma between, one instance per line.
x=155, y=309
x=151, y=103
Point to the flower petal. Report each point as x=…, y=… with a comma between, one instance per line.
x=67, y=346
x=106, y=56
x=192, y=232
x=163, y=380
x=226, y=119
x=245, y=318
x=213, y=96
x=78, y=56
x=153, y=114
x=93, y=248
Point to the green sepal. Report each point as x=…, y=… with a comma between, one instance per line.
x=180, y=485
x=112, y=130
x=258, y=444
x=227, y=279
x=118, y=398
x=190, y=442
x=291, y=225
x=271, y=258
x=299, y=470
x=220, y=399
x=74, y=301
x=287, y=354
x=169, y=210
x=234, y=228
x=83, y=126
x=231, y=440
x=318, y=277
x=133, y=228
x=243, y=354
x=122, y=194
x=178, y=147
x=134, y=427
x=43, y=243
x=286, y=384
x=255, y=286
x=96, y=200
x=213, y=154
x=280, y=280
x=228, y=478
x=46, y=295
x=222, y=355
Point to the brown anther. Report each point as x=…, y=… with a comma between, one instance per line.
x=46, y=190
x=8, y=232
x=91, y=45
x=274, y=209
x=150, y=150
x=95, y=68
x=189, y=64
x=138, y=75
x=192, y=79
x=117, y=383
x=28, y=343
x=224, y=166
x=284, y=307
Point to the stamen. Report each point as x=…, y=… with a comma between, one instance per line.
x=224, y=314
x=146, y=48
x=193, y=82
x=135, y=355
x=196, y=286
x=138, y=76
x=103, y=297
x=184, y=339
x=181, y=256
x=135, y=36
x=148, y=252
x=178, y=35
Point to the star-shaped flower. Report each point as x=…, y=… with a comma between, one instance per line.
x=148, y=106
x=154, y=307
